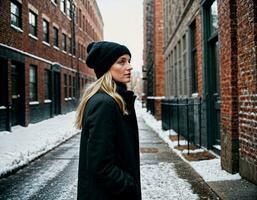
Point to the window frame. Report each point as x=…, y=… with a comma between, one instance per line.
x=46, y=34
x=55, y=36
x=47, y=84
x=17, y=17
x=31, y=26
x=33, y=84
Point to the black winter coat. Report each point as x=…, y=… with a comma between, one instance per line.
x=109, y=150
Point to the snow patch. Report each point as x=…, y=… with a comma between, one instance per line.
x=161, y=182
x=210, y=170
x=24, y=144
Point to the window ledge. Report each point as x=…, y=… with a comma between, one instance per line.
x=57, y=48
x=45, y=43
x=33, y=36
x=68, y=99
x=17, y=28
x=54, y=3
x=195, y=95
x=64, y=51
x=34, y=103
x=47, y=101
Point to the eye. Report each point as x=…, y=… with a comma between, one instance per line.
x=122, y=62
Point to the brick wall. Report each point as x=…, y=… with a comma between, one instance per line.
x=237, y=22
x=229, y=88
x=198, y=43
x=158, y=55
x=16, y=45
x=247, y=88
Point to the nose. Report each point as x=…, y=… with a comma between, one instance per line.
x=129, y=66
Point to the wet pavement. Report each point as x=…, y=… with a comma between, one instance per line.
x=54, y=175
x=150, y=140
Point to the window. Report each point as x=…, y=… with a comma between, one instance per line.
x=64, y=42
x=32, y=23
x=193, y=58
x=3, y=84
x=65, y=86
x=184, y=64
x=47, y=84
x=214, y=18
x=33, y=83
x=80, y=18
x=70, y=45
x=69, y=8
x=70, y=86
x=74, y=86
x=16, y=14
x=63, y=6
x=45, y=31
x=56, y=38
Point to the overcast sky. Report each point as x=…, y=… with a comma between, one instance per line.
x=123, y=23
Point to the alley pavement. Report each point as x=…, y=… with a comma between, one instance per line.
x=54, y=175
x=155, y=150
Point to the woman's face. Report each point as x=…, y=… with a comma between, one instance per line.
x=121, y=69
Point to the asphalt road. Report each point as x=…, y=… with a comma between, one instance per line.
x=53, y=176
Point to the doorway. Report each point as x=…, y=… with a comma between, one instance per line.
x=17, y=94
x=56, y=93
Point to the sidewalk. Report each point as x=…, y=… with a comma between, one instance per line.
x=207, y=178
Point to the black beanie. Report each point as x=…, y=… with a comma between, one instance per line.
x=102, y=55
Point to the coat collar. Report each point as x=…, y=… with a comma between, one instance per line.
x=127, y=95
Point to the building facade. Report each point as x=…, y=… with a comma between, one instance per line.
x=210, y=70
x=42, y=57
x=153, y=69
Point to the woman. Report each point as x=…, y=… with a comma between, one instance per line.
x=109, y=146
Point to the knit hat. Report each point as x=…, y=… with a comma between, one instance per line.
x=102, y=55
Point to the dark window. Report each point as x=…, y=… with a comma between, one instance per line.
x=32, y=23
x=47, y=84
x=3, y=84
x=70, y=45
x=33, y=83
x=74, y=86
x=56, y=38
x=65, y=86
x=64, y=42
x=55, y=1
x=16, y=13
x=45, y=31
x=70, y=86
x=63, y=5
x=193, y=58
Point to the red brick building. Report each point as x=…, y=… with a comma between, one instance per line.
x=210, y=61
x=153, y=69
x=42, y=57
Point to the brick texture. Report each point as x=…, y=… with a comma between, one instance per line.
x=159, y=57
x=88, y=27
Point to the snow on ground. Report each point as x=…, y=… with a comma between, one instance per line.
x=156, y=185
x=24, y=144
x=210, y=170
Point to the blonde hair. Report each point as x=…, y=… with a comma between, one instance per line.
x=106, y=84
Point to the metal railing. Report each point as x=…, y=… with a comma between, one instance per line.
x=183, y=116
x=150, y=105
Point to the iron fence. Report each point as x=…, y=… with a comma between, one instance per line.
x=184, y=116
